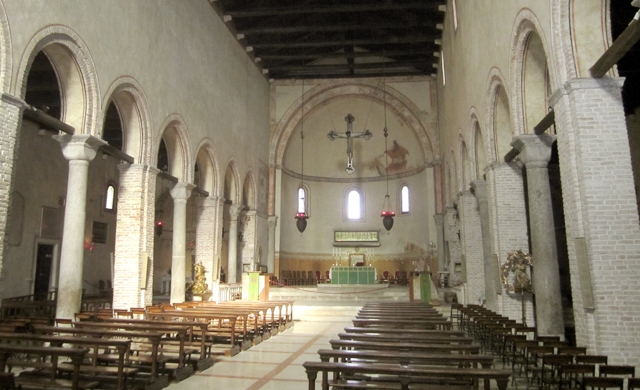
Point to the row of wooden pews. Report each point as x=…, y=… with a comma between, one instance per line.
x=545, y=362
x=136, y=348
x=403, y=346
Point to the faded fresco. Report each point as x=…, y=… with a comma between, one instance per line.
x=396, y=157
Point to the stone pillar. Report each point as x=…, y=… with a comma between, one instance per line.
x=206, y=236
x=232, y=264
x=134, y=236
x=271, y=250
x=473, y=247
x=180, y=194
x=535, y=153
x=439, y=218
x=507, y=230
x=79, y=150
x=601, y=216
x=480, y=191
x=11, y=113
x=249, y=221
x=452, y=239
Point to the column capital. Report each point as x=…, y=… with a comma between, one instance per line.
x=585, y=83
x=182, y=190
x=479, y=189
x=234, y=211
x=79, y=147
x=535, y=150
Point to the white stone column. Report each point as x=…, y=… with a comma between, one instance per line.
x=271, y=249
x=489, y=269
x=79, y=150
x=535, y=153
x=472, y=247
x=601, y=216
x=180, y=194
x=133, y=261
x=232, y=264
x=249, y=221
x=205, y=236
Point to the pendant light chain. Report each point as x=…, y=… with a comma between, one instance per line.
x=302, y=136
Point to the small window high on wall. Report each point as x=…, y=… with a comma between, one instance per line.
x=110, y=198
x=302, y=201
x=404, y=199
x=354, y=205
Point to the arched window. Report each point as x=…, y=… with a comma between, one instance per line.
x=455, y=15
x=110, y=198
x=302, y=201
x=354, y=207
x=404, y=199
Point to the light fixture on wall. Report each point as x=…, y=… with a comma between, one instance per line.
x=387, y=212
x=301, y=217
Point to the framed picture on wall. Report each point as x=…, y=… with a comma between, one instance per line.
x=356, y=259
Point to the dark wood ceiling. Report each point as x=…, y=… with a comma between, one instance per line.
x=337, y=38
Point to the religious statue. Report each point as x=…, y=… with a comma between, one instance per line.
x=350, y=135
x=199, y=285
x=517, y=263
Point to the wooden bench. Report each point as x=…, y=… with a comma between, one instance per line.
x=445, y=333
x=120, y=371
x=408, y=346
x=52, y=379
x=405, y=338
x=400, y=323
x=403, y=375
x=405, y=358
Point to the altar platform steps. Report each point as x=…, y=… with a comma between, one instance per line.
x=340, y=295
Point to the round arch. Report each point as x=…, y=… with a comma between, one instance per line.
x=320, y=94
x=76, y=73
x=498, y=133
x=231, y=190
x=132, y=104
x=208, y=165
x=176, y=137
x=249, y=191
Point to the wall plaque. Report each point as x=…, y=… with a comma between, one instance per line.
x=360, y=236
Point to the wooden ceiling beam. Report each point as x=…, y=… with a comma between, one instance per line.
x=341, y=43
x=358, y=54
x=367, y=65
x=336, y=28
x=269, y=11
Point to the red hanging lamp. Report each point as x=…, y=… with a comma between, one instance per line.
x=301, y=214
x=387, y=212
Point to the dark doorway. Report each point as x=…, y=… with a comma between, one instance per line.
x=44, y=264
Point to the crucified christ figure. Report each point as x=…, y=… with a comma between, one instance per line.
x=350, y=135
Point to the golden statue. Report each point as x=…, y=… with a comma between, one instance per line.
x=199, y=284
x=517, y=263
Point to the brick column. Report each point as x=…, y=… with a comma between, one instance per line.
x=180, y=194
x=133, y=261
x=206, y=236
x=601, y=216
x=489, y=271
x=271, y=250
x=249, y=238
x=472, y=247
x=535, y=153
x=79, y=150
x=508, y=229
x=11, y=113
x=232, y=263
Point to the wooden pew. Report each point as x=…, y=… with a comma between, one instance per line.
x=54, y=353
x=405, y=338
x=404, y=375
x=446, y=333
x=400, y=323
x=122, y=346
x=154, y=359
x=406, y=358
x=407, y=346
x=179, y=331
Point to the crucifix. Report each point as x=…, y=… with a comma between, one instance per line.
x=350, y=135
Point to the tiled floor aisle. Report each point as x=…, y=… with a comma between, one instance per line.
x=273, y=364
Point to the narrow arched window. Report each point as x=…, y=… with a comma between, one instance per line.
x=302, y=203
x=354, y=205
x=404, y=199
x=110, y=198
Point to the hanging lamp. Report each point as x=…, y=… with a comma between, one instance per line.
x=301, y=215
x=387, y=212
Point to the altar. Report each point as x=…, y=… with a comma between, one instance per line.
x=353, y=275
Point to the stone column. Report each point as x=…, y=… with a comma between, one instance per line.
x=79, y=150
x=479, y=188
x=452, y=238
x=232, y=263
x=134, y=236
x=439, y=218
x=535, y=153
x=271, y=250
x=472, y=248
x=249, y=239
x=180, y=194
x=205, y=236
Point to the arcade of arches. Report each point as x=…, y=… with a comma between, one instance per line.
x=167, y=148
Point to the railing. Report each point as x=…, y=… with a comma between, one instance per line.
x=227, y=292
x=40, y=305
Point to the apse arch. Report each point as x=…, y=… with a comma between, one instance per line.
x=132, y=104
x=532, y=78
x=176, y=137
x=209, y=169
x=319, y=95
x=76, y=74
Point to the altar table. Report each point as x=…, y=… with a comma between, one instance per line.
x=353, y=275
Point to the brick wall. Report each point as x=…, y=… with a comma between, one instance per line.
x=471, y=232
